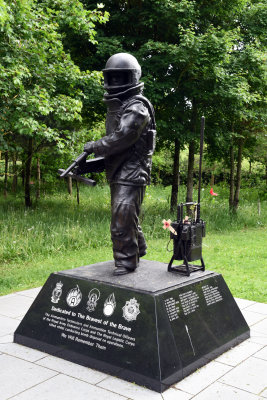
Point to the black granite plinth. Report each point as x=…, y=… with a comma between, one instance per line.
x=151, y=327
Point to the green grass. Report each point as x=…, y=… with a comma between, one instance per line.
x=58, y=234
x=240, y=257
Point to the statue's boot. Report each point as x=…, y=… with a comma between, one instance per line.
x=122, y=271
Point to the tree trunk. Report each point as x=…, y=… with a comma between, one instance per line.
x=190, y=174
x=28, y=165
x=6, y=172
x=15, y=176
x=212, y=178
x=22, y=173
x=238, y=173
x=259, y=207
x=158, y=176
x=232, y=181
x=250, y=167
x=38, y=179
x=69, y=179
x=175, y=175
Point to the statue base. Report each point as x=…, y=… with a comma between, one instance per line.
x=151, y=327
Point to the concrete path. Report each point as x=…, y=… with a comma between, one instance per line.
x=27, y=374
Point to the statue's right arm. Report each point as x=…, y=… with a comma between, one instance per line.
x=133, y=121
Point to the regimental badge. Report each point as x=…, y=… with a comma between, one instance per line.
x=74, y=297
x=57, y=292
x=109, y=305
x=131, y=310
x=93, y=297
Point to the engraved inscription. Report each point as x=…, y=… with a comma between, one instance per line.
x=94, y=332
x=212, y=294
x=172, y=308
x=189, y=302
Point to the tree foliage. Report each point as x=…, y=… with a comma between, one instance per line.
x=197, y=58
x=41, y=88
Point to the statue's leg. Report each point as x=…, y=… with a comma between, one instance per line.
x=141, y=242
x=125, y=201
x=141, y=239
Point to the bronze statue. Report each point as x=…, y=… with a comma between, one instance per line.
x=126, y=151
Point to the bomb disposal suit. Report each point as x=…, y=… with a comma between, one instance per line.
x=127, y=148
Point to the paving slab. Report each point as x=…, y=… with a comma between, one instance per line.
x=6, y=339
x=65, y=387
x=76, y=371
x=7, y=325
x=243, y=303
x=252, y=317
x=258, y=337
x=129, y=389
x=175, y=394
x=30, y=292
x=260, y=308
x=25, y=353
x=261, y=326
x=27, y=374
x=250, y=375
x=203, y=377
x=15, y=306
x=239, y=353
x=262, y=354
x=220, y=391
x=18, y=375
x=8, y=295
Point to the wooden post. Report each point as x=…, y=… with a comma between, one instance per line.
x=69, y=179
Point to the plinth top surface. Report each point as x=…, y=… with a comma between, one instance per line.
x=151, y=276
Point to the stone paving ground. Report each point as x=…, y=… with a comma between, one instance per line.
x=27, y=374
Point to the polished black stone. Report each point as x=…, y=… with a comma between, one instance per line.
x=150, y=277
x=151, y=327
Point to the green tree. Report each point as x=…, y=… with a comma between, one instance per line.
x=240, y=91
x=182, y=47
x=41, y=88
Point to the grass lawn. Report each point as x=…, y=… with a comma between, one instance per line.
x=240, y=257
x=57, y=234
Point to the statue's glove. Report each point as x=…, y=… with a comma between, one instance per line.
x=76, y=170
x=88, y=147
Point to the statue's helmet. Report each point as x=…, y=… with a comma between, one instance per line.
x=128, y=69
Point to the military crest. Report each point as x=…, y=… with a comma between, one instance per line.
x=74, y=297
x=109, y=305
x=131, y=310
x=93, y=297
x=57, y=292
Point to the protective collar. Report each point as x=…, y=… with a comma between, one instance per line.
x=133, y=91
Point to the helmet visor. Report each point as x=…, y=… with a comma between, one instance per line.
x=118, y=78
